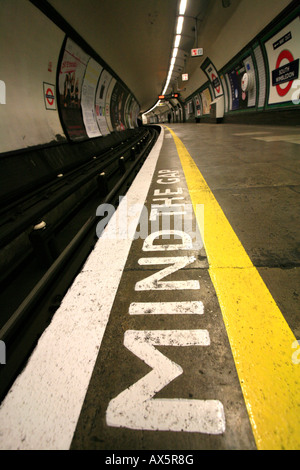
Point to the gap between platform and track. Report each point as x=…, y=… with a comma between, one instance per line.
x=260, y=338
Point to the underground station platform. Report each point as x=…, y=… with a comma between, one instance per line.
x=181, y=330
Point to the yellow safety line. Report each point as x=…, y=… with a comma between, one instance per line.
x=260, y=338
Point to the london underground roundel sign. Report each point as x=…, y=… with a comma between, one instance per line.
x=284, y=72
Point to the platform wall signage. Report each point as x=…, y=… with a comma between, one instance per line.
x=49, y=96
x=197, y=52
x=72, y=70
x=100, y=100
x=283, y=52
x=213, y=77
x=88, y=95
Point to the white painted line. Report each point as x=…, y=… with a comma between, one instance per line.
x=187, y=242
x=42, y=408
x=293, y=139
x=153, y=282
x=241, y=134
x=135, y=407
x=166, y=308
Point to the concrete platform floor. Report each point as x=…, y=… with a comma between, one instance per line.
x=254, y=173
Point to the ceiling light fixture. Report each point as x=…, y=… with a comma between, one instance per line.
x=177, y=40
x=182, y=7
x=179, y=24
x=149, y=110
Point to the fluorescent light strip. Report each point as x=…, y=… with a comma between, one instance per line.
x=180, y=21
x=182, y=7
x=156, y=104
x=177, y=40
x=179, y=24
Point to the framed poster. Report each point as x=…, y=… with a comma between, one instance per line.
x=110, y=89
x=135, y=110
x=206, y=101
x=241, y=91
x=72, y=69
x=117, y=107
x=100, y=101
x=249, y=82
x=128, y=112
x=88, y=95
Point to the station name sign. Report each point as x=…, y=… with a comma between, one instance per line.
x=286, y=73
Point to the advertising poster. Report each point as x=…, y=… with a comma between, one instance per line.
x=283, y=52
x=117, y=107
x=249, y=82
x=128, y=112
x=214, y=79
x=107, y=103
x=72, y=70
x=90, y=81
x=101, y=94
x=206, y=101
x=239, y=97
x=135, y=113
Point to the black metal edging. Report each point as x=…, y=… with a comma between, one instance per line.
x=23, y=222
x=36, y=293
x=39, y=289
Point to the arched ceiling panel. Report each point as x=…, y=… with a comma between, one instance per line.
x=133, y=37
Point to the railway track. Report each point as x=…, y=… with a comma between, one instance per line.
x=63, y=213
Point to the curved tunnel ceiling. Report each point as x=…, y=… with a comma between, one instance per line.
x=135, y=37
